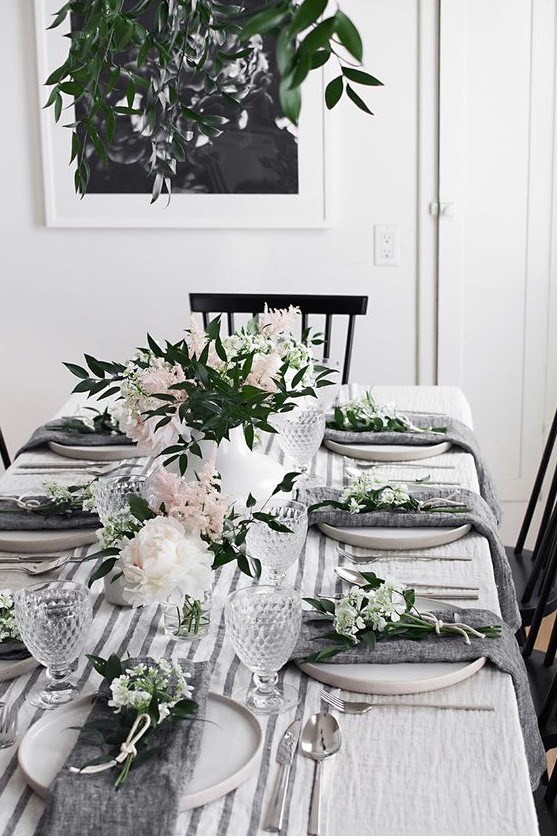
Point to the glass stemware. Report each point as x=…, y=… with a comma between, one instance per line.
x=111, y=495
x=278, y=550
x=53, y=619
x=263, y=624
x=300, y=434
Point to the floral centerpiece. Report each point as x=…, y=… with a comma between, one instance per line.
x=383, y=609
x=166, y=546
x=169, y=397
x=143, y=698
x=365, y=414
x=367, y=493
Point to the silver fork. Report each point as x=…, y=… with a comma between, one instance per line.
x=8, y=725
x=368, y=465
x=355, y=707
x=93, y=470
x=395, y=555
x=38, y=568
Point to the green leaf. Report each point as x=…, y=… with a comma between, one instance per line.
x=319, y=58
x=249, y=435
x=113, y=668
x=139, y=508
x=98, y=663
x=262, y=22
x=360, y=77
x=349, y=35
x=287, y=483
x=105, y=567
x=334, y=91
x=290, y=100
x=351, y=93
x=79, y=371
x=306, y=14
x=319, y=36
x=251, y=501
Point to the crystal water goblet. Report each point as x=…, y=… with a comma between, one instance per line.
x=278, y=550
x=263, y=624
x=112, y=495
x=53, y=619
x=300, y=433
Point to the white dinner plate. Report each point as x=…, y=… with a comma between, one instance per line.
x=394, y=538
x=398, y=678
x=388, y=452
x=31, y=542
x=101, y=453
x=231, y=743
x=10, y=669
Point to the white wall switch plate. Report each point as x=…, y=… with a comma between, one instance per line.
x=386, y=246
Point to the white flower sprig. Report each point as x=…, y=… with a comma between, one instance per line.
x=366, y=493
x=381, y=609
x=8, y=624
x=365, y=414
x=142, y=698
x=56, y=499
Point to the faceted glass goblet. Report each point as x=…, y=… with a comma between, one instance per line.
x=112, y=495
x=300, y=434
x=263, y=624
x=278, y=550
x=53, y=619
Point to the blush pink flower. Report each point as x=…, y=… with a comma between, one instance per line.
x=272, y=323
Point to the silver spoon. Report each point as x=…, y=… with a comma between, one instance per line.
x=321, y=739
x=355, y=577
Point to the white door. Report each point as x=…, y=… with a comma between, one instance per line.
x=495, y=191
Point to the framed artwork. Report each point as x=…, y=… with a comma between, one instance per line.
x=260, y=172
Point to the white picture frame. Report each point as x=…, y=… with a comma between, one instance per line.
x=64, y=208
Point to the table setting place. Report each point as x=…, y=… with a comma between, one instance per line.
x=333, y=655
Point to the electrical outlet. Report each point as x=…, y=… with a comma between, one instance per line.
x=387, y=246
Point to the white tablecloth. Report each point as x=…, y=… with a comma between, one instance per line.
x=400, y=771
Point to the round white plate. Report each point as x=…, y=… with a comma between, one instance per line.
x=104, y=453
x=398, y=678
x=31, y=542
x=231, y=743
x=11, y=669
x=395, y=538
x=388, y=452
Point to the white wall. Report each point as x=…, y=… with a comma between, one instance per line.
x=66, y=291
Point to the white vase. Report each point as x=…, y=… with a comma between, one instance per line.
x=114, y=588
x=246, y=471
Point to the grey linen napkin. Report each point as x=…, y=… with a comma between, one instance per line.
x=13, y=518
x=479, y=515
x=12, y=650
x=457, y=433
x=54, y=431
x=147, y=803
x=503, y=652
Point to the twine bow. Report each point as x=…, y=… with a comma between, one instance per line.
x=453, y=627
x=127, y=748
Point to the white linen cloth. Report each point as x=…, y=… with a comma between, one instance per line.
x=400, y=772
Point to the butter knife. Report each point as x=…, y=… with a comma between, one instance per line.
x=285, y=755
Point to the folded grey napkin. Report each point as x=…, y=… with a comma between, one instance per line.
x=14, y=518
x=54, y=431
x=479, y=515
x=456, y=432
x=503, y=652
x=147, y=803
x=12, y=650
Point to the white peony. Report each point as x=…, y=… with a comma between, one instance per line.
x=163, y=558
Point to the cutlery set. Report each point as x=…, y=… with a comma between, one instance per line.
x=76, y=465
x=397, y=555
x=445, y=590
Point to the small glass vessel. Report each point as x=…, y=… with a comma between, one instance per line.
x=187, y=619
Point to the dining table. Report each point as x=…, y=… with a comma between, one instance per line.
x=400, y=771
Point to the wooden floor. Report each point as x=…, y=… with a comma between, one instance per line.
x=541, y=644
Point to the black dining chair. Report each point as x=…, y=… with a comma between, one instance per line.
x=254, y=303
x=6, y=460
x=529, y=566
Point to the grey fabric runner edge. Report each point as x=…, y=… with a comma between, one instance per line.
x=457, y=433
x=479, y=515
x=12, y=650
x=148, y=802
x=18, y=519
x=53, y=431
x=502, y=652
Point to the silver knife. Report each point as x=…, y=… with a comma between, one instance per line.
x=285, y=755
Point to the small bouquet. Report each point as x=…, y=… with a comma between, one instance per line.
x=366, y=493
x=142, y=698
x=383, y=609
x=365, y=414
x=9, y=630
x=84, y=424
x=57, y=499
